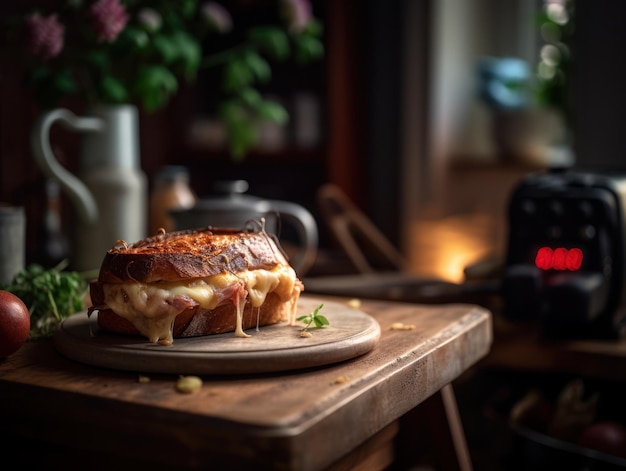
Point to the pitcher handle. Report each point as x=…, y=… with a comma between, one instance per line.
x=306, y=228
x=40, y=142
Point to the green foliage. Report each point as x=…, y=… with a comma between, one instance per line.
x=149, y=61
x=113, y=90
x=50, y=295
x=271, y=41
x=553, y=89
x=187, y=54
x=154, y=86
x=308, y=45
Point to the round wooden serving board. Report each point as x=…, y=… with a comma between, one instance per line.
x=274, y=348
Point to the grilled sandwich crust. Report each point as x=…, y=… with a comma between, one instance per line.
x=184, y=255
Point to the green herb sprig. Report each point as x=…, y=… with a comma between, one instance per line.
x=314, y=318
x=51, y=295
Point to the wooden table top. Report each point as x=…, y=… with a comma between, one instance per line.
x=301, y=420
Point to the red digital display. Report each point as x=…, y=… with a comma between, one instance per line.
x=559, y=258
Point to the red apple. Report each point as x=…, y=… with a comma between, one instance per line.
x=14, y=323
x=605, y=436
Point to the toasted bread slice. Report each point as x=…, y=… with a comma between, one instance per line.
x=196, y=253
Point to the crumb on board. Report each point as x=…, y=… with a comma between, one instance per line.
x=143, y=379
x=402, y=326
x=355, y=303
x=341, y=380
x=188, y=384
x=306, y=333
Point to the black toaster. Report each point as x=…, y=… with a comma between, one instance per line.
x=565, y=262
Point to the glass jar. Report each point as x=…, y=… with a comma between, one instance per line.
x=171, y=191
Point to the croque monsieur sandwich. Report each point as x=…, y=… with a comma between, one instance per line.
x=193, y=283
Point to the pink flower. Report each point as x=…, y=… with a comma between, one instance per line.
x=217, y=16
x=45, y=35
x=297, y=13
x=109, y=19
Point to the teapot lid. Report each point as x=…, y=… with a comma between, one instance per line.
x=230, y=187
x=228, y=195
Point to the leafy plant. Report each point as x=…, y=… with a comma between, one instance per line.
x=556, y=25
x=50, y=295
x=248, y=65
x=314, y=318
x=141, y=51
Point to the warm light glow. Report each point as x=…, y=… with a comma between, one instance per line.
x=443, y=248
x=559, y=258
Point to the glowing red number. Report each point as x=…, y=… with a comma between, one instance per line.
x=559, y=258
x=574, y=259
x=543, y=259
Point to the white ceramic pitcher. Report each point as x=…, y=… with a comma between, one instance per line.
x=109, y=190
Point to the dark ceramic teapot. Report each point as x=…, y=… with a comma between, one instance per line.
x=230, y=206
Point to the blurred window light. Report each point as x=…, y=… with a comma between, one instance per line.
x=550, y=55
x=557, y=12
x=546, y=71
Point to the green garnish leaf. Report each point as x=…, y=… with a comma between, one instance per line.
x=314, y=318
x=320, y=321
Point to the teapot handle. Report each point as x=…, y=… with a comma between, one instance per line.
x=306, y=228
x=40, y=142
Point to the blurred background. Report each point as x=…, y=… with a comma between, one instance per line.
x=422, y=112
x=425, y=113
x=399, y=113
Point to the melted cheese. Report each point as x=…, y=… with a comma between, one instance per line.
x=205, y=291
x=152, y=308
x=240, y=304
x=258, y=283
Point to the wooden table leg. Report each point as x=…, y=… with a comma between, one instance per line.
x=432, y=434
x=457, y=435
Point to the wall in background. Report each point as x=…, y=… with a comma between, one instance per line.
x=599, y=90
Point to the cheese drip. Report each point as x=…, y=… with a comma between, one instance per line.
x=152, y=307
x=240, y=304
